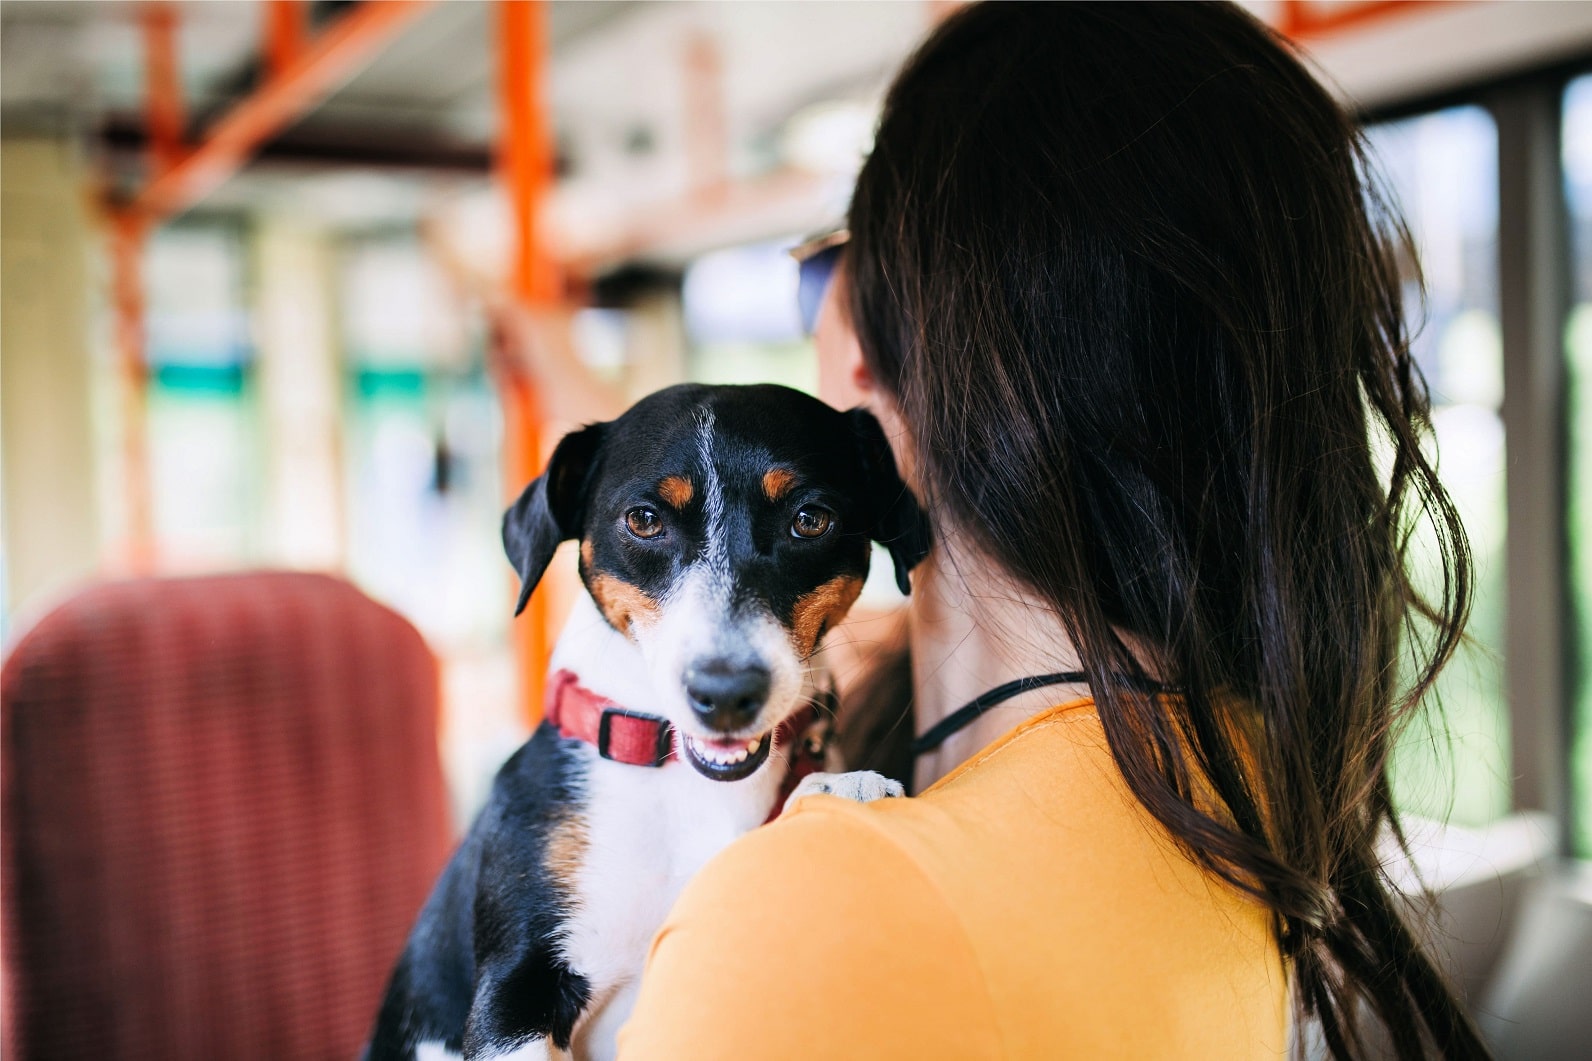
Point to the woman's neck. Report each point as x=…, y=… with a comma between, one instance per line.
x=971, y=628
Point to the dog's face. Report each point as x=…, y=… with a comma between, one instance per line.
x=723, y=530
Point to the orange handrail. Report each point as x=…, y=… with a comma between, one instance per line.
x=325, y=63
x=1299, y=19
x=301, y=75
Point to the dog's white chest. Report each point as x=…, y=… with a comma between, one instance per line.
x=649, y=831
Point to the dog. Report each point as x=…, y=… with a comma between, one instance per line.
x=723, y=531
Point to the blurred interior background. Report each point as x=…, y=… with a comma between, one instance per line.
x=313, y=285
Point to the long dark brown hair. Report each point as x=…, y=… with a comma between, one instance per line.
x=1124, y=273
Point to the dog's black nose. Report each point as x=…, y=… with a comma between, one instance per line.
x=726, y=695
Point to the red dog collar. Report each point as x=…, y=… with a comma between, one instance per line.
x=638, y=739
x=623, y=736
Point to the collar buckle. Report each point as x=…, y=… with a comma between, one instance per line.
x=663, y=748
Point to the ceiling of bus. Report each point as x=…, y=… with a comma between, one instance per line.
x=792, y=84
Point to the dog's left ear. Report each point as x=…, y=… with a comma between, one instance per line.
x=895, y=520
x=552, y=509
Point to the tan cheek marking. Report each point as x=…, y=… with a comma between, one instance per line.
x=585, y=556
x=623, y=604
x=677, y=490
x=566, y=850
x=819, y=611
x=777, y=483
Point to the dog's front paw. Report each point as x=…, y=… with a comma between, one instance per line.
x=862, y=786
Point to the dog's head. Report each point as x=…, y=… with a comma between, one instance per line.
x=723, y=530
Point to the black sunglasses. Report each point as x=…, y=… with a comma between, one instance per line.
x=816, y=259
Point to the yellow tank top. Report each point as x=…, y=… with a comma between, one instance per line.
x=1025, y=906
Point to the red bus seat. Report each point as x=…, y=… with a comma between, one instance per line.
x=222, y=809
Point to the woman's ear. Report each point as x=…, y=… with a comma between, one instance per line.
x=895, y=519
x=844, y=380
x=552, y=509
x=861, y=374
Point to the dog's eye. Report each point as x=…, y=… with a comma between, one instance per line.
x=811, y=522
x=643, y=522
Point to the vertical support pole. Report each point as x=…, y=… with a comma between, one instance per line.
x=167, y=122
x=167, y=117
x=128, y=233
x=1534, y=288
x=526, y=164
x=285, y=32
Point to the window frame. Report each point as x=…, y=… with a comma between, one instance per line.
x=1542, y=671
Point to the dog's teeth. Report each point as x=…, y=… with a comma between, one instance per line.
x=719, y=755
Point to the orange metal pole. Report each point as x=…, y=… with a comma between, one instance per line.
x=526, y=163
x=127, y=234
x=527, y=148
x=167, y=122
x=330, y=60
x=285, y=29
x=163, y=88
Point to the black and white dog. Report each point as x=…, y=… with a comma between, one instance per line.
x=723, y=531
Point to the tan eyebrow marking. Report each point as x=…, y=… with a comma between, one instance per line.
x=677, y=490
x=777, y=483
x=820, y=610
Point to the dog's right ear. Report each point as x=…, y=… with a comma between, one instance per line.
x=552, y=509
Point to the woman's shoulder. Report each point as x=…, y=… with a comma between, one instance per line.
x=908, y=853
x=852, y=911
x=1024, y=904
x=815, y=936
x=835, y=860
x=898, y=852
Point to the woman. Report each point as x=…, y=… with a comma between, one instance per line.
x=1118, y=288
